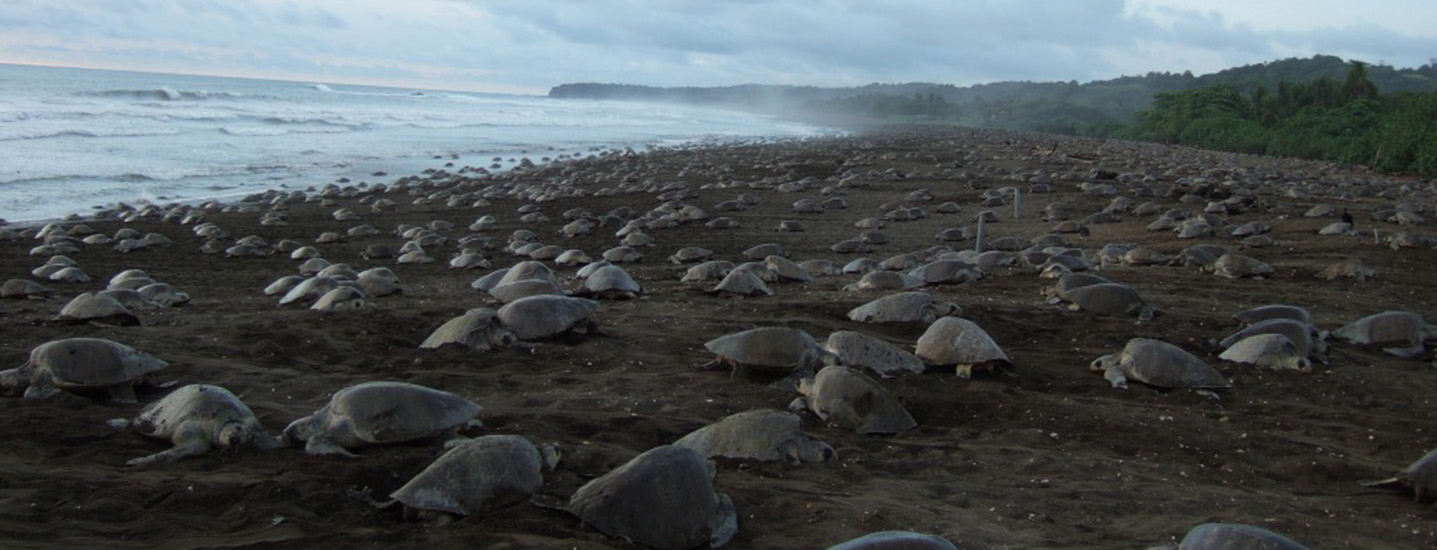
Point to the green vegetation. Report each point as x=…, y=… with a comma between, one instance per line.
x=1324, y=119
x=1320, y=108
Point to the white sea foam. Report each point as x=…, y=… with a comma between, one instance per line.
x=75, y=138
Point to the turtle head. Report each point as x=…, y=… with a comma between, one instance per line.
x=234, y=435
x=299, y=431
x=14, y=381
x=549, y=454
x=815, y=451
x=500, y=337
x=1103, y=363
x=1300, y=364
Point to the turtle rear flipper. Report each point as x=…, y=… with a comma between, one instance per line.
x=1409, y=352
x=1389, y=483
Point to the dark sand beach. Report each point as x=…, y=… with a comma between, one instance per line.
x=1054, y=458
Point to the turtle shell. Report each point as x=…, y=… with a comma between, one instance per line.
x=390, y=412
x=83, y=363
x=767, y=347
x=484, y=474
x=537, y=317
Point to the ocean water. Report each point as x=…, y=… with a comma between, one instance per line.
x=75, y=139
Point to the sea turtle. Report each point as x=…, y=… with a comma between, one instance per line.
x=548, y=315
x=1232, y=536
x=527, y=270
x=690, y=254
x=608, y=283
x=903, y=307
x=477, y=328
x=342, y=298
x=379, y=281
x=896, y=540
x=198, y=418
x=712, y=270
x=1160, y=364
x=1108, y=299
x=1390, y=327
x=469, y=259
x=476, y=476
x=940, y=272
x=847, y=398
x=24, y=288
x=131, y=299
x=310, y=289
x=93, y=306
x=1351, y=268
x=489, y=280
x=163, y=294
x=1306, y=339
x=859, y=350
x=283, y=285
x=372, y=413
x=514, y=290
x=1273, y=311
x=743, y=283
x=819, y=267
x=786, y=269
x=884, y=280
x=1233, y=266
x=572, y=258
x=860, y=266
x=313, y=266
x=765, y=250
x=69, y=274
x=622, y=254
x=663, y=498
x=1273, y=351
x=962, y=343
x=125, y=275
x=764, y=434
x=1420, y=477
x=776, y=350
x=81, y=365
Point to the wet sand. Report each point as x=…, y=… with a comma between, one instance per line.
x=1055, y=458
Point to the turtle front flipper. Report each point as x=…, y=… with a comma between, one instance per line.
x=1116, y=376
x=190, y=440
x=43, y=388
x=319, y=445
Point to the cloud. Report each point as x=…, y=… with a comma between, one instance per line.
x=532, y=45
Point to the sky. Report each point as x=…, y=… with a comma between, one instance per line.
x=528, y=46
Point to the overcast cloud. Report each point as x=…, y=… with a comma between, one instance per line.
x=528, y=46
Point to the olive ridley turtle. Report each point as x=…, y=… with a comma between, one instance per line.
x=663, y=498
x=763, y=434
x=962, y=343
x=847, y=398
x=476, y=476
x=1160, y=364
x=198, y=418
x=81, y=365
x=371, y=413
